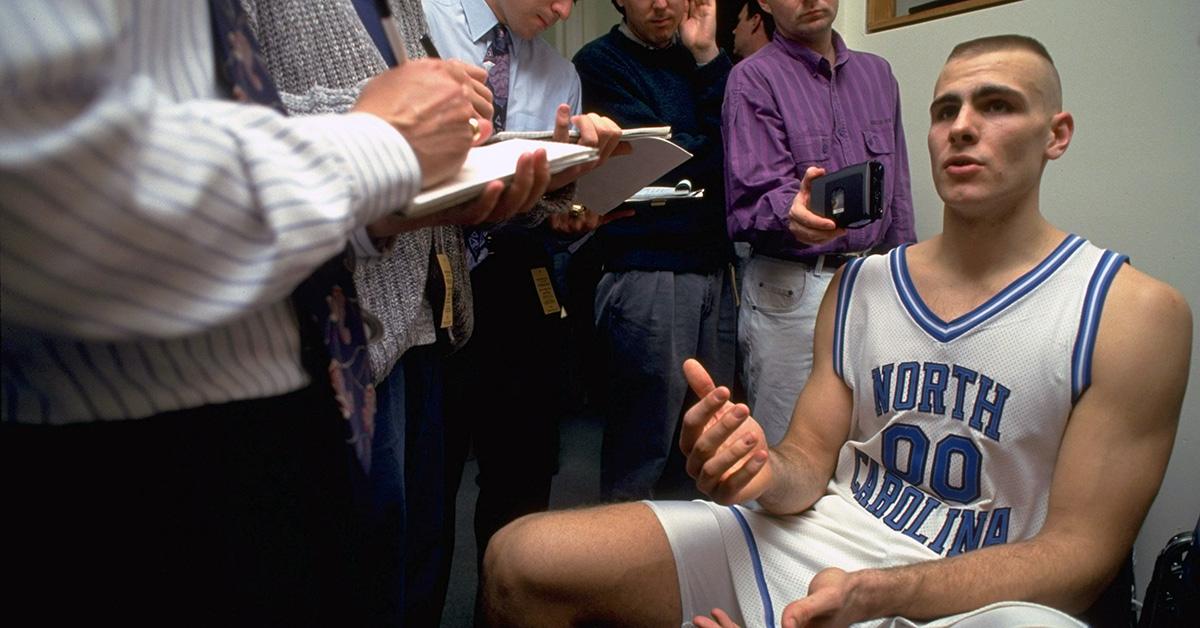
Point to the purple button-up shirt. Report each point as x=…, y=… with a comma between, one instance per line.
x=785, y=110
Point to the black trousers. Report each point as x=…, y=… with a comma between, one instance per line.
x=505, y=388
x=244, y=513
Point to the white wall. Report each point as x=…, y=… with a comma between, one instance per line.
x=1131, y=179
x=588, y=21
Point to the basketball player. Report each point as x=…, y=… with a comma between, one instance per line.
x=989, y=418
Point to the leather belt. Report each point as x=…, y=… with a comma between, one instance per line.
x=829, y=261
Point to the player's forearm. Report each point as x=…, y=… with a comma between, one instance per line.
x=1061, y=574
x=796, y=482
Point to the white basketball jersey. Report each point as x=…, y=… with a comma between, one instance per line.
x=957, y=424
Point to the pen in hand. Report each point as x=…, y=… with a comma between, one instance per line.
x=430, y=50
x=388, y=21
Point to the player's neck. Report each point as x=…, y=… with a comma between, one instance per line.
x=961, y=269
x=980, y=251
x=983, y=248
x=983, y=239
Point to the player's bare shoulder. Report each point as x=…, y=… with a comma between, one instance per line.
x=1145, y=336
x=1149, y=302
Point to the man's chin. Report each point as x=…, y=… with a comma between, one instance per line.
x=530, y=31
x=960, y=196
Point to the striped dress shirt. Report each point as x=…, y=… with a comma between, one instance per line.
x=539, y=77
x=150, y=232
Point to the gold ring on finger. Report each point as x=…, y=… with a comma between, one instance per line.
x=474, y=124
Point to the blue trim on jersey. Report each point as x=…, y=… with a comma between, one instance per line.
x=945, y=332
x=1089, y=321
x=839, y=322
x=759, y=577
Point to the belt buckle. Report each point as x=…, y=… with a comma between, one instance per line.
x=834, y=261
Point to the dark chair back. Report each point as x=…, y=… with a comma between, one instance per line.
x=1115, y=607
x=1173, y=595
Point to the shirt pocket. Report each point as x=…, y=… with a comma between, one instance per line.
x=878, y=142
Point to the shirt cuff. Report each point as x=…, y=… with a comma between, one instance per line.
x=381, y=169
x=777, y=219
x=718, y=64
x=366, y=246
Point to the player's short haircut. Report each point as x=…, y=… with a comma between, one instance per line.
x=994, y=43
x=998, y=43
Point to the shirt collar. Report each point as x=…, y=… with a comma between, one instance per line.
x=480, y=18
x=811, y=57
x=626, y=31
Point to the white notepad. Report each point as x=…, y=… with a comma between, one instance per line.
x=494, y=162
x=622, y=176
x=653, y=155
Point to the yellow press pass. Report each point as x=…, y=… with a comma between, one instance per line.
x=545, y=290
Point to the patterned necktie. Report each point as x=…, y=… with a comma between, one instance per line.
x=326, y=302
x=497, y=60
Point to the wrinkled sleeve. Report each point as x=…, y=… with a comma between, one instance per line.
x=760, y=175
x=128, y=212
x=322, y=100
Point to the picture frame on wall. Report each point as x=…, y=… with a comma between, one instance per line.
x=886, y=14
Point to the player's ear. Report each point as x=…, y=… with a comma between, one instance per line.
x=1062, y=128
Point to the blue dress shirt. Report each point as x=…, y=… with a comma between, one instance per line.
x=540, y=79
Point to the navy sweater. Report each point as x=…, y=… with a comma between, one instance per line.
x=637, y=86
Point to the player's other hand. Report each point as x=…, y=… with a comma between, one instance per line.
x=718, y=619
x=828, y=603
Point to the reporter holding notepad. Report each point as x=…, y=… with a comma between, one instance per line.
x=503, y=388
x=417, y=284
x=666, y=293
x=166, y=450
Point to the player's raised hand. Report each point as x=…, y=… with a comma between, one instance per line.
x=726, y=448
